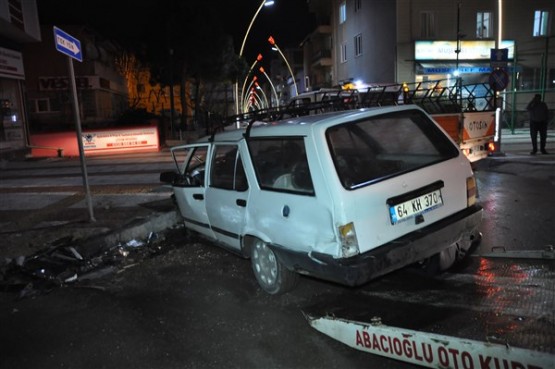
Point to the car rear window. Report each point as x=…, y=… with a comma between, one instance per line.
x=383, y=146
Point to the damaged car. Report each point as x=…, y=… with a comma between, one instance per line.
x=345, y=196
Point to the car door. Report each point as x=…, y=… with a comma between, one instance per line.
x=190, y=190
x=227, y=195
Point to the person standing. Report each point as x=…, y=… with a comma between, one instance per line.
x=538, y=123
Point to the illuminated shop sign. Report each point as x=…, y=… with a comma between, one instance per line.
x=11, y=64
x=451, y=70
x=470, y=50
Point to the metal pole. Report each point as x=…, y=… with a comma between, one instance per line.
x=271, y=85
x=80, y=139
x=289, y=67
x=236, y=86
x=514, y=82
x=544, y=82
x=248, y=74
x=458, y=81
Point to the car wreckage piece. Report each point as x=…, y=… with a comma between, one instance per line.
x=428, y=349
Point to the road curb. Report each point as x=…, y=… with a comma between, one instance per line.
x=137, y=229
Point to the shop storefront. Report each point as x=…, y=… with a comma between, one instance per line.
x=437, y=60
x=12, y=133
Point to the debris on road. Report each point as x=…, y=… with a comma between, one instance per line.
x=500, y=252
x=61, y=264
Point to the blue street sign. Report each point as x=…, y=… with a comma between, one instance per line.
x=499, y=58
x=67, y=44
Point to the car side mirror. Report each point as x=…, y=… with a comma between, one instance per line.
x=169, y=177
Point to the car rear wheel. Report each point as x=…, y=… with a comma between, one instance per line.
x=272, y=276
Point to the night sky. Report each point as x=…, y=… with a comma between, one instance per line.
x=131, y=20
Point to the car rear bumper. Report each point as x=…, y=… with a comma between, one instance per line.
x=394, y=255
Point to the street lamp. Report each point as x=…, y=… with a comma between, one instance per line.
x=258, y=58
x=273, y=43
x=255, y=99
x=261, y=69
x=245, y=98
x=262, y=4
x=257, y=86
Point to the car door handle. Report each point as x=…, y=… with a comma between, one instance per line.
x=241, y=202
x=198, y=196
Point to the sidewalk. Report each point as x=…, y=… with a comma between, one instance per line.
x=520, y=143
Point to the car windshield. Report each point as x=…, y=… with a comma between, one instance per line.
x=371, y=150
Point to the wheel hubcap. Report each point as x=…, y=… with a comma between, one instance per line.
x=265, y=264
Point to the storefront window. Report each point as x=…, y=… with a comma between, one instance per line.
x=10, y=111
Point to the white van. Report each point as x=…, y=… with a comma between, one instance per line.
x=345, y=196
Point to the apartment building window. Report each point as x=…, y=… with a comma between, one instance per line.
x=16, y=13
x=343, y=52
x=541, y=21
x=358, y=44
x=358, y=5
x=342, y=12
x=484, y=25
x=427, y=24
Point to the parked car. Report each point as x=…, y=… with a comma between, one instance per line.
x=345, y=197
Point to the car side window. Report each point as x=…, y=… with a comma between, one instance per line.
x=227, y=170
x=281, y=164
x=195, y=169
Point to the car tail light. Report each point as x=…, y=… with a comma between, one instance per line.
x=471, y=191
x=491, y=147
x=349, y=242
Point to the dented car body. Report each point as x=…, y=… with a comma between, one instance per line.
x=345, y=196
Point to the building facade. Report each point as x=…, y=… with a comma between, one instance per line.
x=450, y=39
x=353, y=44
x=414, y=41
x=364, y=34
x=19, y=25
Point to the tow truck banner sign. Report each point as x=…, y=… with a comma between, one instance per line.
x=478, y=125
x=428, y=349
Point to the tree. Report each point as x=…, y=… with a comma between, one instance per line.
x=201, y=51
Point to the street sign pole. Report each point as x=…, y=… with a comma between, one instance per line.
x=70, y=46
x=80, y=139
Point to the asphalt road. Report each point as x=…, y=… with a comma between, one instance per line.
x=194, y=305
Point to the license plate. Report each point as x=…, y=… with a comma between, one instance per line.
x=413, y=207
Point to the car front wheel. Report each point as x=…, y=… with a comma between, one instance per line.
x=272, y=276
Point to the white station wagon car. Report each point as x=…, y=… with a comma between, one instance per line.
x=345, y=197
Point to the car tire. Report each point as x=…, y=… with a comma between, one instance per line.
x=271, y=274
